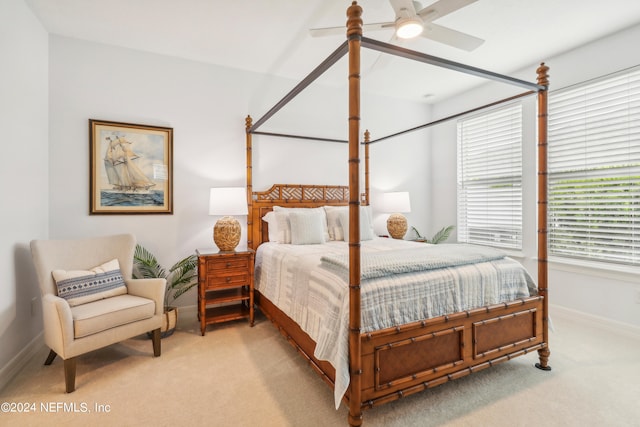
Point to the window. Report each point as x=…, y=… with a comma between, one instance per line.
x=490, y=178
x=594, y=170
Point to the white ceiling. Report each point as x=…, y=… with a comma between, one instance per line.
x=271, y=36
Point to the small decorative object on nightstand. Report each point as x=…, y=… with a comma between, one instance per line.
x=225, y=287
x=227, y=201
x=396, y=203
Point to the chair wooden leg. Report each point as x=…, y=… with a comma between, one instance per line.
x=70, y=374
x=156, y=339
x=52, y=355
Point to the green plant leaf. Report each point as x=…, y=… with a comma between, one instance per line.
x=418, y=235
x=181, y=277
x=442, y=235
x=146, y=266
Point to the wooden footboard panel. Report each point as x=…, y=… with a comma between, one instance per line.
x=410, y=358
x=400, y=361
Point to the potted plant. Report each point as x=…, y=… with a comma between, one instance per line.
x=181, y=277
x=439, y=237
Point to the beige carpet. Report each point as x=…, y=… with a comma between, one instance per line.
x=242, y=376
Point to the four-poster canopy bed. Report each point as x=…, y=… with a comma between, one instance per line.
x=388, y=363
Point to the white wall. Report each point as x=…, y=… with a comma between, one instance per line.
x=24, y=175
x=205, y=110
x=206, y=105
x=599, y=292
x=402, y=164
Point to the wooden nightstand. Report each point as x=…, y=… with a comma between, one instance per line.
x=225, y=286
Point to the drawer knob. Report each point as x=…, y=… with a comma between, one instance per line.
x=228, y=279
x=228, y=264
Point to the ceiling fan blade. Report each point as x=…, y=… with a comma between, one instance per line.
x=328, y=31
x=442, y=8
x=332, y=31
x=451, y=37
x=384, y=60
x=403, y=8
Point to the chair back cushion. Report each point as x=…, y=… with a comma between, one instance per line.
x=81, y=254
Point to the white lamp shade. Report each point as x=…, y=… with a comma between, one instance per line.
x=396, y=202
x=228, y=201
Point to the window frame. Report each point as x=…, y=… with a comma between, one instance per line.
x=590, y=117
x=501, y=223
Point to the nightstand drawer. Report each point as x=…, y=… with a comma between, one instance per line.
x=231, y=278
x=241, y=263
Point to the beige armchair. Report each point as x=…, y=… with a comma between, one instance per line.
x=81, y=314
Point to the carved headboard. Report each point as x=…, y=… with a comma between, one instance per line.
x=292, y=196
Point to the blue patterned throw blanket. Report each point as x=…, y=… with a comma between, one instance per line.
x=430, y=257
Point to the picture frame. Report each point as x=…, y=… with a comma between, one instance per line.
x=131, y=168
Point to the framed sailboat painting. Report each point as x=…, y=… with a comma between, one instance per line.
x=131, y=168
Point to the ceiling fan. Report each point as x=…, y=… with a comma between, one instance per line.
x=413, y=20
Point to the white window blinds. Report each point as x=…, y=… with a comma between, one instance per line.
x=490, y=178
x=594, y=170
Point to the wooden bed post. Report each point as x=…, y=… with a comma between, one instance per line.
x=543, y=80
x=354, y=36
x=248, y=122
x=367, y=140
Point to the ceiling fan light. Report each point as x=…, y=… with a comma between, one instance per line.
x=407, y=28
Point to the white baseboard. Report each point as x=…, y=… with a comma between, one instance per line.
x=604, y=323
x=15, y=365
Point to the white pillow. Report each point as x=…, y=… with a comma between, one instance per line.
x=337, y=231
x=366, y=230
x=279, y=228
x=366, y=211
x=284, y=212
x=307, y=228
x=333, y=221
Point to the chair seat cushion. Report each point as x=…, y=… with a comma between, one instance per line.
x=98, y=316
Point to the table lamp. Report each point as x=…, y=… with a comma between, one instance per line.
x=227, y=201
x=396, y=203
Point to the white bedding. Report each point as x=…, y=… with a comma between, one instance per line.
x=294, y=279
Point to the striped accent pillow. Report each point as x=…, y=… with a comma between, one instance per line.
x=80, y=286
